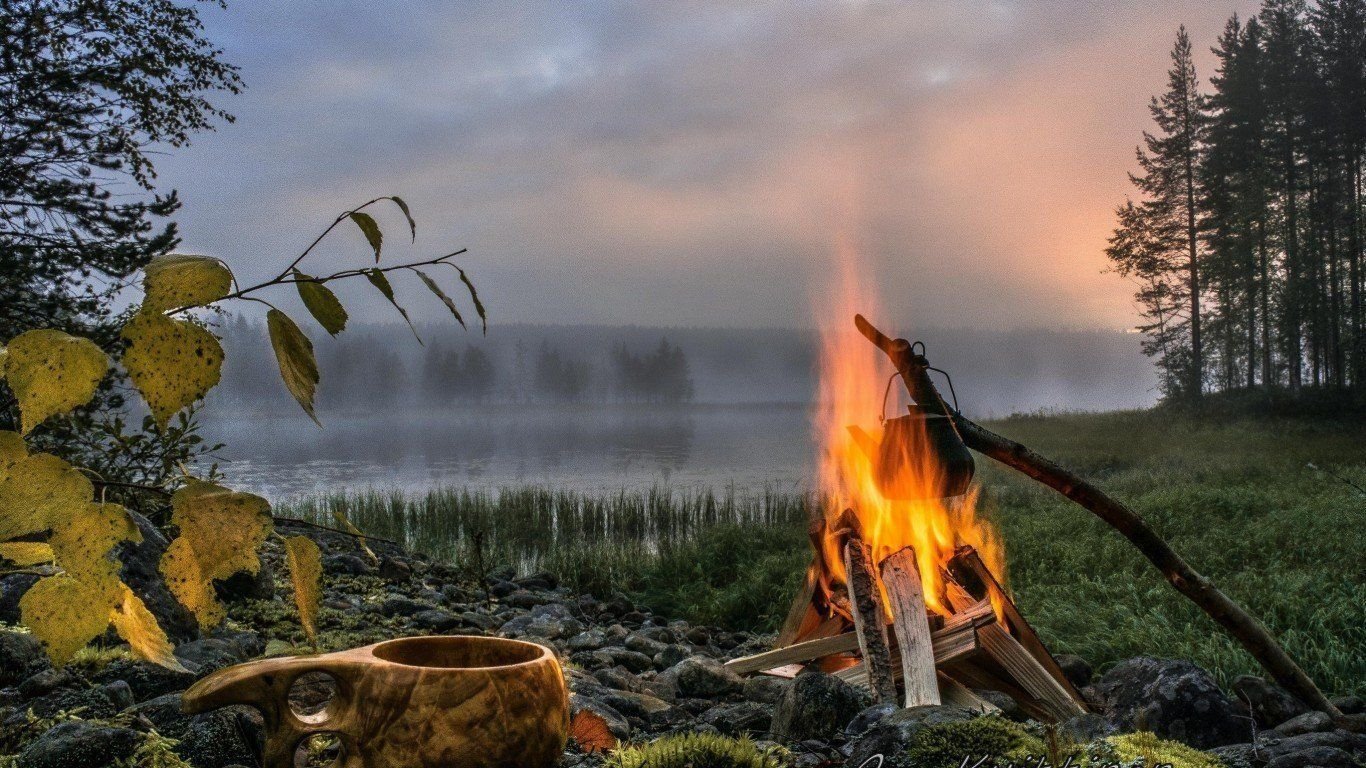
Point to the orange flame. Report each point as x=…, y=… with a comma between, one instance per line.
x=853, y=374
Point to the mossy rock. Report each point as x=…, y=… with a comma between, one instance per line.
x=1148, y=750
x=998, y=740
x=698, y=750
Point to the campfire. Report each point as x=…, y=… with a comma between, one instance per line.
x=906, y=593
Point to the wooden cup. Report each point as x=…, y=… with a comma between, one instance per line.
x=417, y=702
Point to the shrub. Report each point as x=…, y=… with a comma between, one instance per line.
x=698, y=750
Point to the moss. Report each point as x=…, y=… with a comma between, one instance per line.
x=91, y=659
x=1147, y=750
x=698, y=750
x=156, y=751
x=947, y=744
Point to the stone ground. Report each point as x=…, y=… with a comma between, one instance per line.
x=645, y=675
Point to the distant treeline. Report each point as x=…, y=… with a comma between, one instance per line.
x=1246, y=240
x=371, y=367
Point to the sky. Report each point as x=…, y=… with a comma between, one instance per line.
x=697, y=163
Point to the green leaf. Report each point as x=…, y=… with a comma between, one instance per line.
x=402, y=206
x=305, y=573
x=172, y=362
x=440, y=294
x=368, y=226
x=321, y=302
x=181, y=280
x=294, y=355
x=478, y=305
x=381, y=282
x=51, y=372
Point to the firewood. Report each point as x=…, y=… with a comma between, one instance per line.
x=1028, y=672
x=869, y=623
x=802, y=617
x=955, y=694
x=901, y=579
x=1243, y=626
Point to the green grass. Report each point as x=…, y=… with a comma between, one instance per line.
x=1236, y=499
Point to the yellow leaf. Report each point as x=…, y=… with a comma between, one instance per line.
x=4, y=355
x=181, y=280
x=136, y=625
x=347, y=526
x=66, y=613
x=220, y=533
x=294, y=355
x=52, y=372
x=321, y=302
x=305, y=571
x=12, y=449
x=26, y=553
x=172, y=362
x=38, y=492
x=82, y=542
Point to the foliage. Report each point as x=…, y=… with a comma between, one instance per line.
x=698, y=750
x=173, y=362
x=1148, y=750
x=305, y=573
x=945, y=745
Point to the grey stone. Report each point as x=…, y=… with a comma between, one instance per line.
x=616, y=722
x=47, y=681
x=1315, y=757
x=891, y=736
x=347, y=564
x=244, y=585
x=436, y=620
x=80, y=744
x=745, y=718
x=1173, y=699
x=1270, y=704
x=1074, y=668
x=702, y=677
x=145, y=679
x=868, y=718
x=1087, y=727
x=589, y=640
x=1309, y=722
x=12, y=588
x=21, y=656
x=817, y=706
x=671, y=655
x=1349, y=705
x=765, y=689
x=644, y=645
x=395, y=570
x=402, y=605
x=216, y=739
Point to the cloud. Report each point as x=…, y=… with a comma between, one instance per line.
x=690, y=163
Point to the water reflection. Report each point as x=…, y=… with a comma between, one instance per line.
x=604, y=448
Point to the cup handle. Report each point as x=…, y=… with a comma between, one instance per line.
x=265, y=685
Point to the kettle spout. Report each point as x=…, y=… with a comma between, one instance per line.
x=864, y=441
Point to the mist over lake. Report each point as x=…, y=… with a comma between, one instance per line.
x=598, y=408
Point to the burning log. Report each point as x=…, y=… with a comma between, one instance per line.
x=865, y=600
x=901, y=579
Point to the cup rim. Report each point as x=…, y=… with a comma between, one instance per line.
x=542, y=652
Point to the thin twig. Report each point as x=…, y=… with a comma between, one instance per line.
x=319, y=526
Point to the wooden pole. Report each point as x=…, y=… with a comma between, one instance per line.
x=901, y=579
x=865, y=600
x=1243, y=626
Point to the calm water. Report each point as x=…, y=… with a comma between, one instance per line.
x=592, y=449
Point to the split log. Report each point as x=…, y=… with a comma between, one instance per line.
x=866, y=601
x=802, y=617
x=1243, y=626
x=1029, y=673
x=901, y=579
x=955, y=694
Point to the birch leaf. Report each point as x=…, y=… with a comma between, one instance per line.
x=347, y=526
x=305, y=572
x=294, y=356
x=12, y=449
x=172, y=362
x=139, y=628
x=440, y=294
x=66, y=613
x=474, y=295
x=220, y=533
x=381, y=283
x=407, y=214
x=371, y=230
x=39, y=492
x=51, y=372
x=82, y=542
x=180, y=280
x=321, y=302
x=26, y=553
x=4, y=355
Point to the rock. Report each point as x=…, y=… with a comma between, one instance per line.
x=1349, y=705
x=119, y=693
x=247, y=586
x=698, y=636
x=591, y=640
x=616, y=723
x=671, y=655
x=1309, y=722
x=21, y=656
x=1317, y=757
x=891, y=736
x=45, y=682
x=395, y=570
x=636, y=662
x=702, y=677
x=80, y=744
x=217, y=739
x=765, y=689
x=12, y=588
x=1074, y=668
x=145, y=679
x=639, y=705
x=436, y=620
x=141, y=571
x=1237, y=756
x=1009, y=708
x=1273, y=746
x=401, y=605
x=501, y=589
x=618, y=678
x=817, y=706
x=347, y=564
x=868, y=718
x=93, y=702
x=214, y=653
x=745, y=718
x=1174, y=699
x=1270, y=704
x=644, y=645
x=1086, y=728
x=522, y=598
x=542, y=581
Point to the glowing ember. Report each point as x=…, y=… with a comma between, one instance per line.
x=853, y=374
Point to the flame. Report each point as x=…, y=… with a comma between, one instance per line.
x=853, y=375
